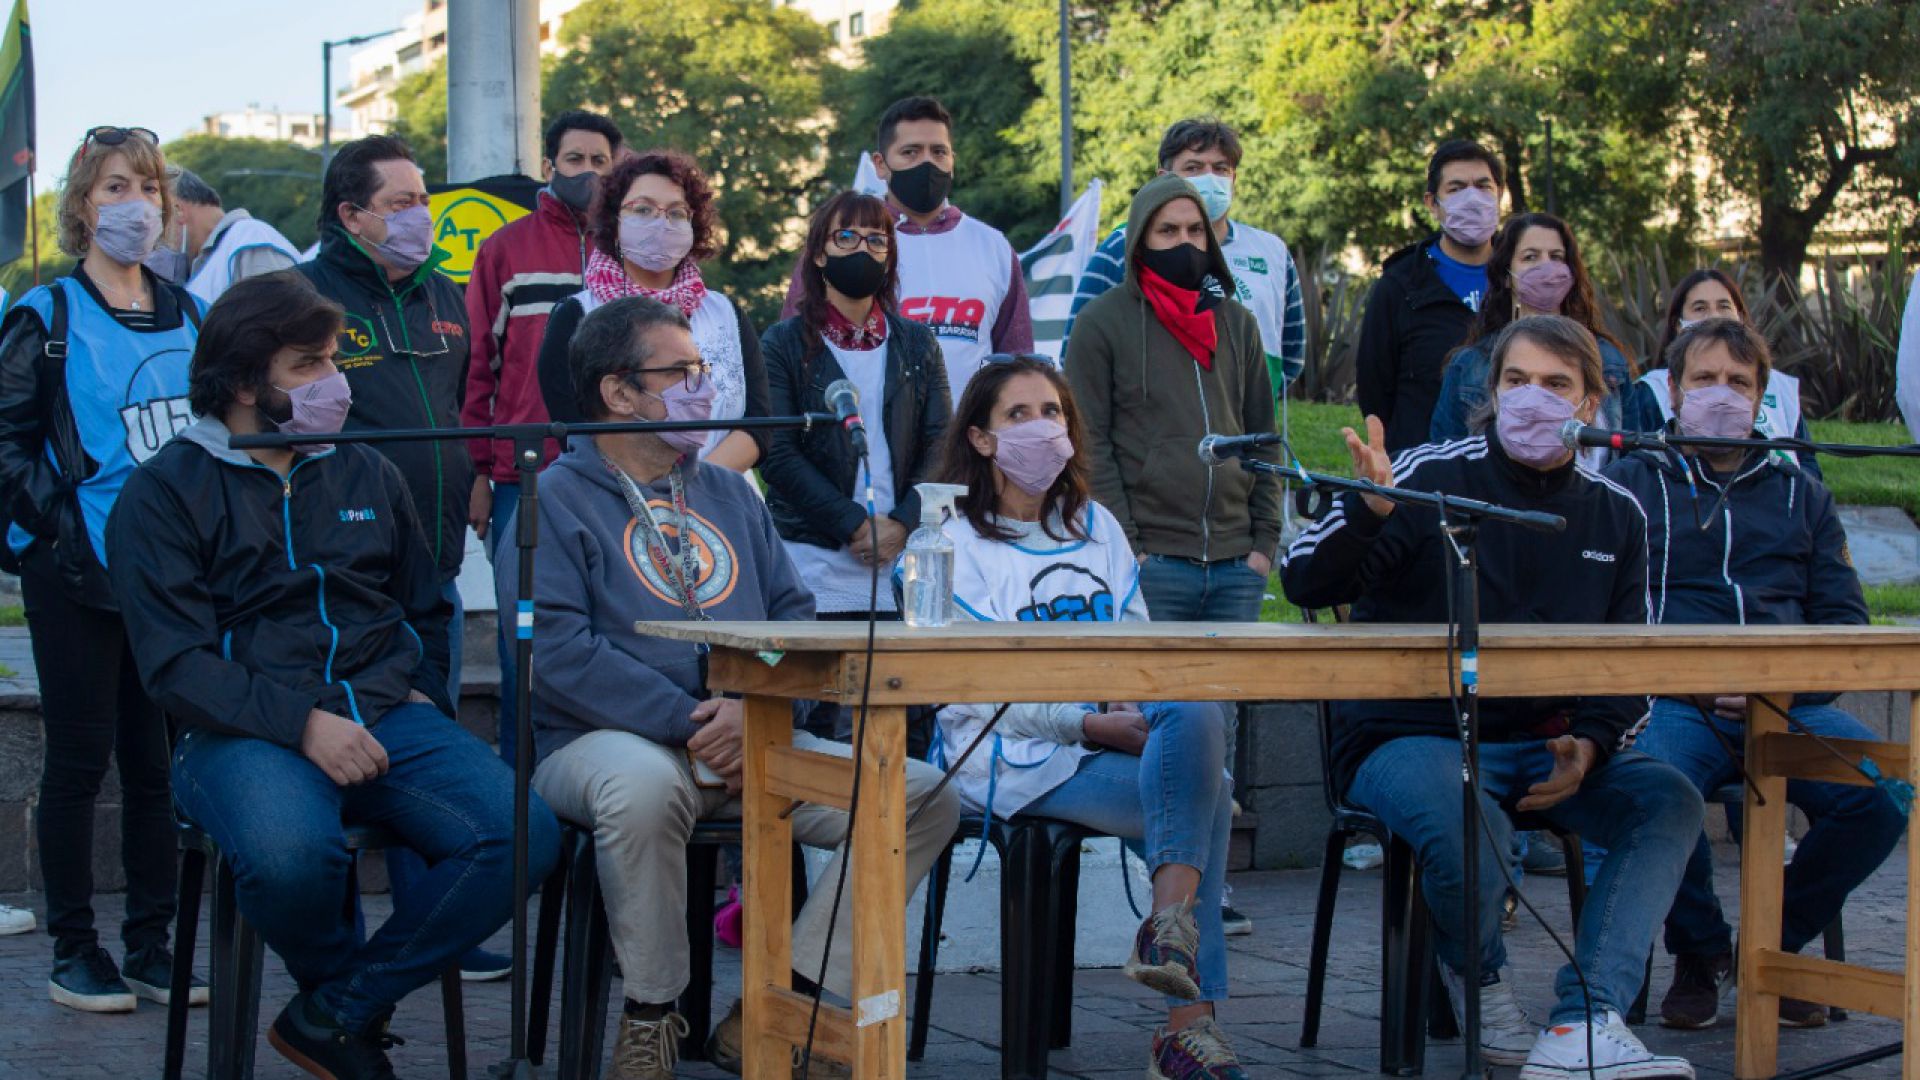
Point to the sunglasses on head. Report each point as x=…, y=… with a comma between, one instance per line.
x=108, y=135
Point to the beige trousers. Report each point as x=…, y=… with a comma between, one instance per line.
x=641, y=802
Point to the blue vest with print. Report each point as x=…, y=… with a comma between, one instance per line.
x=128, y=393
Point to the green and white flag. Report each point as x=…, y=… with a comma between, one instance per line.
x=1052, y=269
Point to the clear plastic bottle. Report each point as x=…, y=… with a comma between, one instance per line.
x=926, y=565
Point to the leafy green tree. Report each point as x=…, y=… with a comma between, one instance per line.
x=420, y=103
x=739, y=85
x=277, y=182
x=18, y=276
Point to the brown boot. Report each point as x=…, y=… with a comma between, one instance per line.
x=648, y=1049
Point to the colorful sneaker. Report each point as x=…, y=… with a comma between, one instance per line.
x=1196, y=1052
x=88, y=981
x=1560, y=1053
x=1699, y=982
x=1506, y=1035
x=149, y=973
x=1166, y=953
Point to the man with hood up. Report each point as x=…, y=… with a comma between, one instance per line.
x=1156, y=365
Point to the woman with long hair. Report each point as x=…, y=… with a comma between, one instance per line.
x=1031, y=545
x=93, y=380
x=1535, y=269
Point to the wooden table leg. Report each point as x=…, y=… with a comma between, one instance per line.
x=1762, y=896
x=1910, y=1066
x=766, y=947
x=879, y=897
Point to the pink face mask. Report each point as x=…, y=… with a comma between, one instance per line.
x=1544, y=286
x=319, y=408
x=655, y=243
x=1033, y=453
x=1529, y=423
x=685, y=404
x=1469, y=216
x=1716, y=412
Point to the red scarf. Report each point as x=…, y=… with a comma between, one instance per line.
x=841, y=332
x=1174, y=307
x=607, y=280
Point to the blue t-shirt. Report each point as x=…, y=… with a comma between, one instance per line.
x=1469, y=283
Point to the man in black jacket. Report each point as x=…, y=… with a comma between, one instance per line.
x=1745, y=538
x=1419, y=310
x=284, y=609
x=403, y=347
x=1563, y=758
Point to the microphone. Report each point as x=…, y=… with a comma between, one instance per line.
x=844, y=399
x=1218, y=450
x=1575, y=435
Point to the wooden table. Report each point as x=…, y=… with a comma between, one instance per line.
x=772, y=662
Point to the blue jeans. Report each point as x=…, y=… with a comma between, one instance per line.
x=280, y=822
x=1175, y=798
x=1644, y=812
x=1854, y=828
x=506, y=499
x=1180, y=590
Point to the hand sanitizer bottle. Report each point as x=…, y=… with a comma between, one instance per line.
x=926, y=566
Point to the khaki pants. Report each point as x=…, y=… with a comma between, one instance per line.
x=641, y=802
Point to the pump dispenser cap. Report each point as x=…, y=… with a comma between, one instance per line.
x=936, y=501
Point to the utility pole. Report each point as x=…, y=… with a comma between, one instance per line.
x=1066, y=113
x=493, y=88
x=326, y=89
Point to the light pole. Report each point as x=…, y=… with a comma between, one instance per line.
x=1066, y=114
x=326, y=88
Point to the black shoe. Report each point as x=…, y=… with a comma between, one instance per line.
x=88, y=981
x=304, y=1034
x=1233, y=923
x=1693, y=1002
x=149, y=973
x=479, y=965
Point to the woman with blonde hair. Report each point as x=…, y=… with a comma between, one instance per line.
x=93, y=380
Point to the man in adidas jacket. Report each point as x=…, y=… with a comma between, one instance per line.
x=1743, y=538
x=1564, y=758
x=282, y=606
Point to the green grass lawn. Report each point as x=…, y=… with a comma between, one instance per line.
x=1880, y=481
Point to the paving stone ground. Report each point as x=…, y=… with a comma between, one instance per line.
x=1112, y=1018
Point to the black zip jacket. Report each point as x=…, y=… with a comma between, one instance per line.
x=1413, y=320
x=1392, y=571
x=251, y=600
x=810, y=474
x=37, y=429
x=404, y=352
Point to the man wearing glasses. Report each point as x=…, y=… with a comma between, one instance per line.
x=629, y=742
x=403, y=350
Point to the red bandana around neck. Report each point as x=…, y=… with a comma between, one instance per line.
x=607, y=280
x=841, y=332
x=1174, y=307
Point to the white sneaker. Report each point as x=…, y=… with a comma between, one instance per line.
x=14, y=920
x=1505, y=1032
x=1561, y=1054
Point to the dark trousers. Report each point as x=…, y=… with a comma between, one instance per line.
x=93, y=709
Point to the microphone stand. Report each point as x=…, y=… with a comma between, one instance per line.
x=528, y=444
x=1460, y=521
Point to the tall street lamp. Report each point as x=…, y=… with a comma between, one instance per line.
x=326, y=88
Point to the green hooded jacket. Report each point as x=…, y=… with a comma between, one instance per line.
x=1147, y=404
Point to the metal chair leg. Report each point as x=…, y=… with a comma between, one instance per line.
x=546, y=946
x=454, y=1009
x=929, y=954
x=193, y=866
x=1330, y=867
x=696, y=1004
x=1063, y=871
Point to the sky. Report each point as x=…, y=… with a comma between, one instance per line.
x=134, y=63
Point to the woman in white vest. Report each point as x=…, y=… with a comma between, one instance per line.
x=1702, y=295
x=653, y=222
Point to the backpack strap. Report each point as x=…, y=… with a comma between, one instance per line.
x=187, y=306
x=56, y=346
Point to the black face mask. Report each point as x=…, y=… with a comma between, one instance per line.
x=921, y=189
x=1183, y=265
x=857, y=275
x=575, y=191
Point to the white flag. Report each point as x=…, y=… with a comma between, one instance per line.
x=866, y=181
x=1052, y=269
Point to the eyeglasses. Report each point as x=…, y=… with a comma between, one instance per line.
x=108, y=135
x=404, y=346
x=677, y=215
x=694, y=376
x=847, y=241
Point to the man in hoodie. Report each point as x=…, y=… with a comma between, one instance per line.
x=284, y=609
x=1771, y=552
x=519, y=274
x=1207, y=153
x=631, y=743
x=958, y=275
x=1156, y=365
x=1420, y=309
